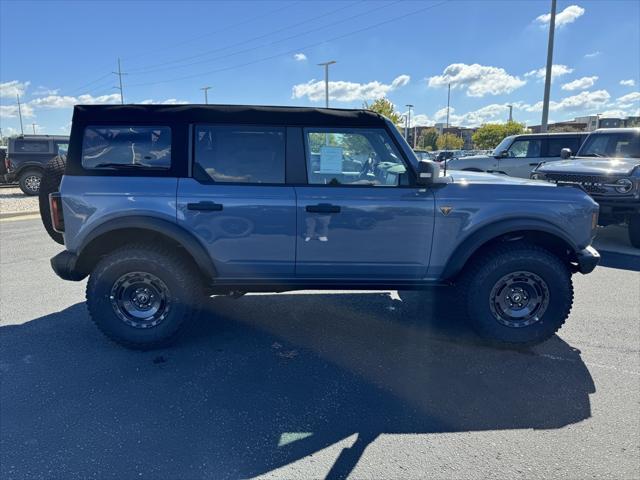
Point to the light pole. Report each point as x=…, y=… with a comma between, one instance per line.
x=20, y=113
x=510, y=113
x=547, y=79
x=406, y=131
x=206, y=96
x=326, y=80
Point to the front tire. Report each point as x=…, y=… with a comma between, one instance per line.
x=634, y=230
x=517, y=294
x=142, y=297
x=29, y=182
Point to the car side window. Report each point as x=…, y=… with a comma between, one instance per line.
x=555, y=145
x=61, y=148
x=239, y=154
x=31, y=146
x=113, y=147
x=525, y=149
x=360, y=156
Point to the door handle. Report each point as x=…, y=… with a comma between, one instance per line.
x=205, y=206
x=323, y=208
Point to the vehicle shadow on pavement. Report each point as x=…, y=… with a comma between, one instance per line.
x=264, y=381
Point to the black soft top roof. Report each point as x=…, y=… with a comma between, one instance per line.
x=246, y=114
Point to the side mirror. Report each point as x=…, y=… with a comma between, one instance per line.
x=428, y=172
x=502, y=154
x=565, y=153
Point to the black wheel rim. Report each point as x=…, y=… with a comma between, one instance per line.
x=519, y=299
x=140, y=299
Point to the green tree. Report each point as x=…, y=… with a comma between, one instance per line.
x=386, y=108
x=490, y=135
x=427, y=139
x=449, y=141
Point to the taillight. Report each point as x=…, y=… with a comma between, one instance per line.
x=7, y=164
x=55, y=205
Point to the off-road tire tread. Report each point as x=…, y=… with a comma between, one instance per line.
x=491, y=260
x=51, y=178
x=184, y=275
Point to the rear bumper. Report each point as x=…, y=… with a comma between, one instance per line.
x=587, y=259
x=65, y=266
x=9, y=178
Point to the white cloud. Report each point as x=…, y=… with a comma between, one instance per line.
x=479, y=80
x=65, y=101
x=628, y=83
x=347, y=91
x=493, y=113
x=566, y=16
x=300, y=57
x=629, y=100
x=11, y=111
x=168, y=101
x=43, y=91
x=592, y=54
x=580, y=84
x=582, y=101
x=557, y=70
x=13, y=88
x=421, y=120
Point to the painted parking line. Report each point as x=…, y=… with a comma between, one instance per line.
x=28, y=216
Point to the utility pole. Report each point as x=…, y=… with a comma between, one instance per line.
x=326, y=80
x=120, y=73
x=448, y=102
x=406, y=132
x=206, y=97
x=547, y=78
x=34, y=127
x=510, y=113
x=20, y=114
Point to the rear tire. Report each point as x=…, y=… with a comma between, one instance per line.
x=29, y=182
x=516, y=294
x=51, y=178
x=142, y=297
x=634, y=230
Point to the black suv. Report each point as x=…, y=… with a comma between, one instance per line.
x=27, y=156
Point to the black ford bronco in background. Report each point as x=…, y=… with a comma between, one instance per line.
x=607, y=167
x=27, y=156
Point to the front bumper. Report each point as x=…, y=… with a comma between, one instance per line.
x=65, y=266
x=587, y=259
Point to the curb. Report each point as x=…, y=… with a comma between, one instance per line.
x=19, y=214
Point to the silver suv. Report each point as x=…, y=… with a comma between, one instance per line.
x=518, y=155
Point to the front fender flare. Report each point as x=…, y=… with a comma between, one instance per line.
x=481, y=236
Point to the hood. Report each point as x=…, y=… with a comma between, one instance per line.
x=591, y=166
x=469, y=157
x=459, y=176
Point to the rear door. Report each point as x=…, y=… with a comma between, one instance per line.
x=236, y=200
x=359, y=217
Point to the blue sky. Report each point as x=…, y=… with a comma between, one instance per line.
x=493, y=53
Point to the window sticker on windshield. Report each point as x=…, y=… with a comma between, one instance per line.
x=330, y=159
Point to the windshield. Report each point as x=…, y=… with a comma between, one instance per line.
x=503, y=145
x=620, y=145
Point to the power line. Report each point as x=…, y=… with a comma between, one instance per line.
x=164, y=66
x=289, y=52
x=170, y=46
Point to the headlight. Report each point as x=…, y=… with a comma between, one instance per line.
x=537, y=176
x=624, y=185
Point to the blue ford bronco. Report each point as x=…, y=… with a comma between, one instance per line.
x=163, y=206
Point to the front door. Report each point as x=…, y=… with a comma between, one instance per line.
x=358, y=217
x=522, y=157
x=237, y=202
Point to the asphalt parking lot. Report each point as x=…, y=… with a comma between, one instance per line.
x=314, y=385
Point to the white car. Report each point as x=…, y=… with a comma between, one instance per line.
x=518, y=155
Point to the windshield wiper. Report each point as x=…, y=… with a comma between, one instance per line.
x=128, y=166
